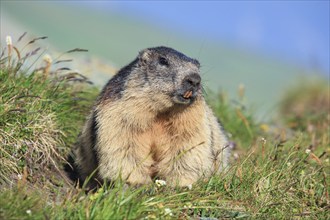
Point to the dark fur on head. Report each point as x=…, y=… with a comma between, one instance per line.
x=160, y=73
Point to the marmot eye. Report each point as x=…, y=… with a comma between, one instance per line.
x=163, y=61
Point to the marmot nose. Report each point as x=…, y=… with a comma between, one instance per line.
x=193, y=80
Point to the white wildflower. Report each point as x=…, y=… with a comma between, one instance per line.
x=160, y=183
x=19, y=176
x=168, y=211
x=9, y=41
x=289, y=164
x=47, y=58
x=308, y=151
x=189, y=186
x=29, y=212
x=188, y=205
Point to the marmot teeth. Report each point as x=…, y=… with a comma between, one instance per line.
x=187, y=94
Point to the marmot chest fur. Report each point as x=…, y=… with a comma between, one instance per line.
x=151, y=121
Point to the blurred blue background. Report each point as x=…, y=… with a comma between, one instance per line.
x=294, y=30
x=265, y=45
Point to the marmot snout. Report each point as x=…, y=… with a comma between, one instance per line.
x=151, y=121
x=190, y=88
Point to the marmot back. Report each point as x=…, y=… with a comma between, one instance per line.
x=151, y=121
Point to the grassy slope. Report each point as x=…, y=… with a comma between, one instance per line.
x=274, y=177
x=276, y=174
x=39, y=119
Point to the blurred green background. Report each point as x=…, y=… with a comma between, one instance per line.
x=115, y=36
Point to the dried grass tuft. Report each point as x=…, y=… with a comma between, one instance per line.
x=40, y=110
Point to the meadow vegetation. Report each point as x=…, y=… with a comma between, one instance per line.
x=277, y=172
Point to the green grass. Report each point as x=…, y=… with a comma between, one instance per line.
x=235, y=117
x=276, y=175
x=38, y=120
x=40, y=116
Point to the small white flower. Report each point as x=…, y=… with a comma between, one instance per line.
x=168, y=211
x=289, y=164
x=189, y=186
x=9, y=41
x=187, y=205
x=47, y=58
x=29, y=212
x=19, y=176
x=160, y=183
x=308, y=151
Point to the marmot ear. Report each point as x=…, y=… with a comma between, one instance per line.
x=144, y=56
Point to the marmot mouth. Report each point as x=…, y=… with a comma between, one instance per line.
x=185, y=98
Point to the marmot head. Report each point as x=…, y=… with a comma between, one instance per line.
x=171, y=76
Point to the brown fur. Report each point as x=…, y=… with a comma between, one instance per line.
x=143, y=132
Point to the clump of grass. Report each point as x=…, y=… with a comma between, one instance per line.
x=41, y=112
x=281, y=179
x=234, y=115
x=305, y=108
x=306, y=105
x=20, y=203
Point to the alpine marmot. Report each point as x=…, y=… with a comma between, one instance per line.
x=151, y=121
